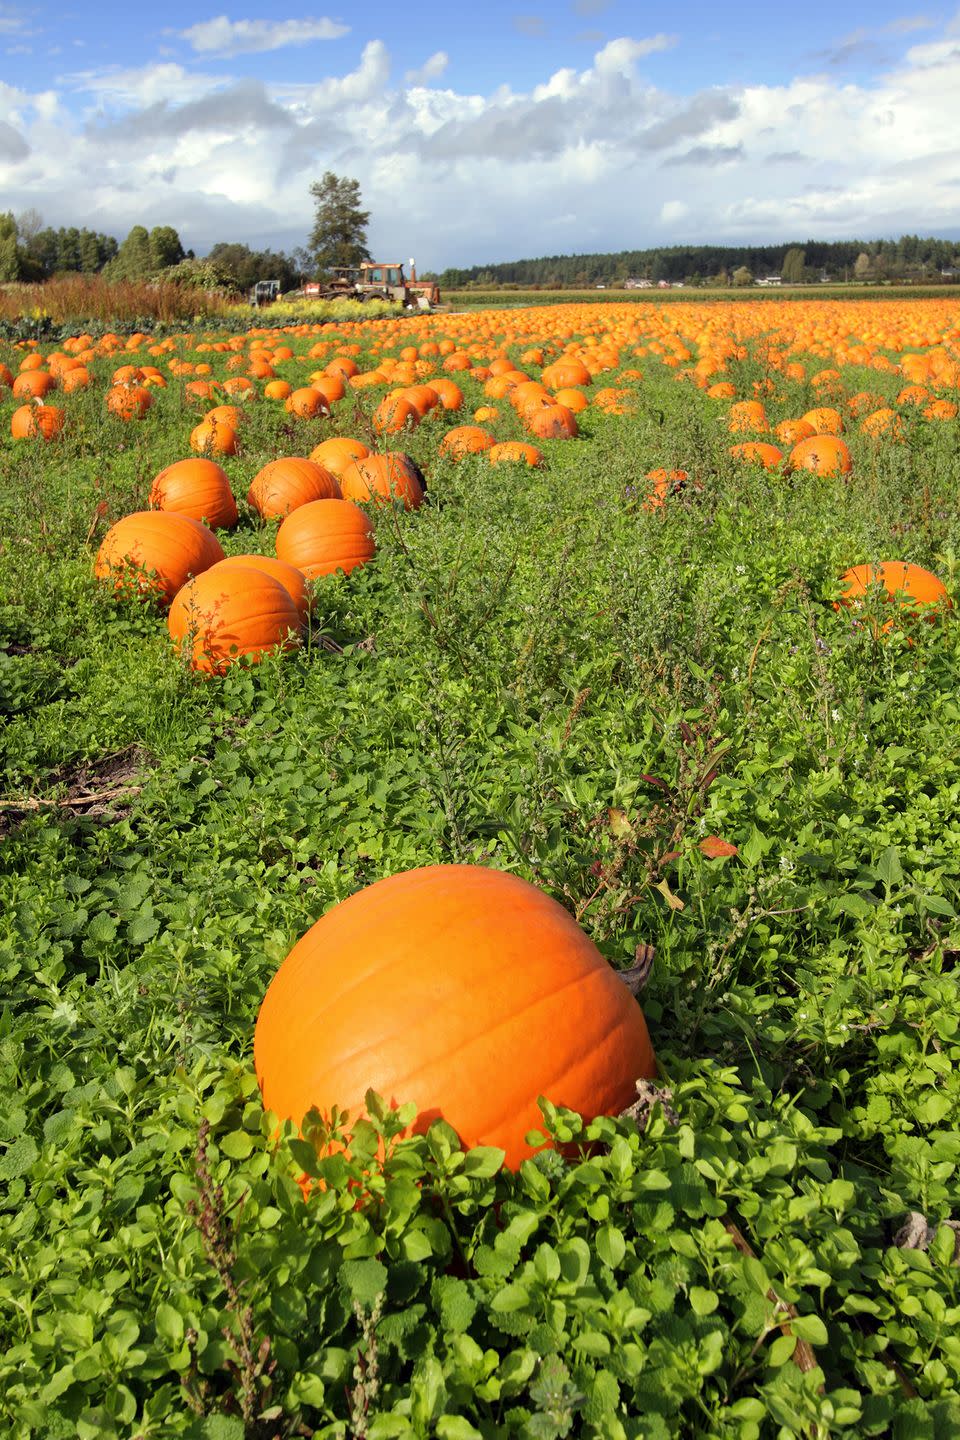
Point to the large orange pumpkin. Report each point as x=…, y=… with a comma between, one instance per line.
x=283, y=485
x=496, y=997
x=129, y=402
x=213, y=437
x=153, y=554
x=552, y=422
x=229, y=613
x=29, y=421
x=293, y=580
x=338, y=452
x=823, y=454
x=325, y=536
x=916, y=590
x=382, y=478
x=196, y=487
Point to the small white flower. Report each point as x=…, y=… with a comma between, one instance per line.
x=741, y=569
x=835, y=716
x=735, y=672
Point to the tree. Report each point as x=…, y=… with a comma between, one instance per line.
x=339, y=235
x=247, y=266
x=742, y=276
x=29, y=225
x=9, y=252
x=792, y=271
x=863, y=267
x=165, y=247
x=133, y=260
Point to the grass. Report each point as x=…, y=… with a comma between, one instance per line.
x=537, y=674
x=497, y=299
x=82, y=300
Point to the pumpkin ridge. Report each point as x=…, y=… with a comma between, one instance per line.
x=460, y=1046
x=384, y=901
x=597, y=1056
x=592, y=1055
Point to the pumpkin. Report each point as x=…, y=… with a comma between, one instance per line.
x=75, y=379
x=552, y=422
x=199, y=488
x=293, y=580
x=33, y=385
x=284, y=484
x=496, y=997
x=665, y=482
x=914, y=588
x=824, y=420
x=129, y=402
x=747, y=415
x=382, y=478
x=229, y=613
x=152, y=554
x=395, y=412
x=823, y=454
x=566, y=373
x=515, y=452
x=338, y=452
x=465, y=440
x=306, y=403
x=325, y=536
x=757, y=452
x=451, y=396
x=213, y=437
x=30, y=421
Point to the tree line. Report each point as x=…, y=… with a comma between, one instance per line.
x=32, y=251
x=910, y=257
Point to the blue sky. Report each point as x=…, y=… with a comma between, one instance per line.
x=483, y=133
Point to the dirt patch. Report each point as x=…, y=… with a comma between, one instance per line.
x=102, y=789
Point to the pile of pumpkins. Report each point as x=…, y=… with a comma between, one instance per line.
x=223, y=608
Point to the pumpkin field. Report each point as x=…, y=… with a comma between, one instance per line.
x=479, y=875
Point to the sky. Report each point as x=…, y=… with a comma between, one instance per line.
x=487, y=132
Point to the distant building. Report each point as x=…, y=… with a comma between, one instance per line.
x=770, y=280
x=663, y=284
x=638, y=284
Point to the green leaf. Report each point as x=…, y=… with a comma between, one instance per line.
x=363, y=1280
x=810, y=1328
x=237, y=1145
x=781, y=1350
x=610, y=1246
x=888, y=867
x=223, y=1427
x=483, y=1161
x=592, y=1342
x=19, y=1158
x=755, y=1275
x=510, y=1297
x=703, y=1302
x=456, y=1427
x=169, y=1325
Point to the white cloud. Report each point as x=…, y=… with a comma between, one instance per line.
x=244, y=37
x=584, y=159
x=431, y=69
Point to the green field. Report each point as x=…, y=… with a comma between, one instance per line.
x=510, y=296
x=538, y=674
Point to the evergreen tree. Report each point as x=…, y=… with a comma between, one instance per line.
x=165, y=248
x=792, y=269
x=133, y=260
x=339, y=235
x=9, y=250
